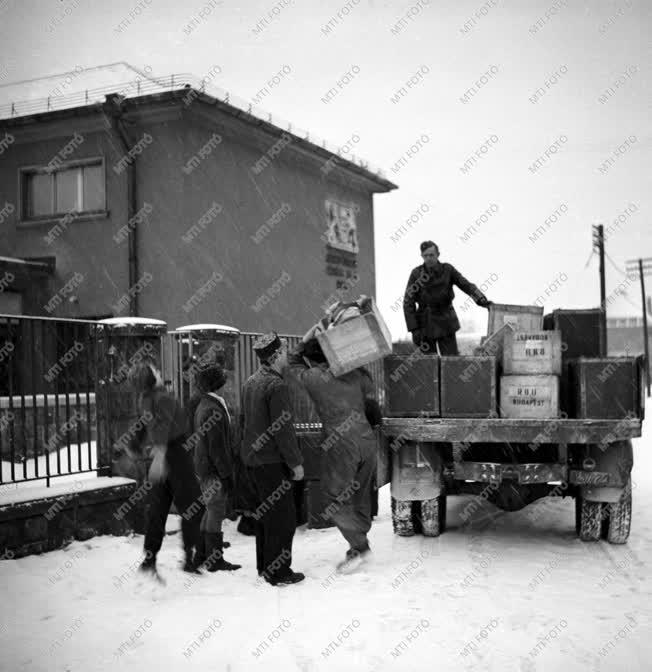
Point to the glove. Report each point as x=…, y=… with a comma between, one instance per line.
x=484, y=302
x=417, y=336
x=297, y=473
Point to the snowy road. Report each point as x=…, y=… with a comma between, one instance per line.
x=519, y=595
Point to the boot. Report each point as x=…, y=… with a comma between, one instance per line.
x=190, y=564
x=148, y=568
x=215, y=554
x=200, y=551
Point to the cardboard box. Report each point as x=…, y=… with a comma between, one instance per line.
x=468, y=387
x=356, y=342
x=412, y=385
x=608, y=387
x=522, y=318
x=529, y=396
x=532, y=352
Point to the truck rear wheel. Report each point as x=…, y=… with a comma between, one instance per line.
x=588, y=519
x=431, y=517
x=618, y=517
x=402, y=518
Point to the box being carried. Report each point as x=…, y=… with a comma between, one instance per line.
x=357, y=341
x=532, y=352
x=529, y=397
x=522, y=318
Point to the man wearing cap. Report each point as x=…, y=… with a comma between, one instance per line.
x=428, y=302
x=271, y=452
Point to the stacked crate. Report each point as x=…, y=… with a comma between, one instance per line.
x=529, y=386
x=581, y=336
x=530, y=361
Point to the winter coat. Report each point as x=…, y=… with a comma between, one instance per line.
x=340, y=404
x=212, y=440
x=268, y=435
x=428, y=300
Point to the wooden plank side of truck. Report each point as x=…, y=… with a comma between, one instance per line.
x=513, y=462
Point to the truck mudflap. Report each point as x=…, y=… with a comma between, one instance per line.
x=495, y=472
x=606, y=468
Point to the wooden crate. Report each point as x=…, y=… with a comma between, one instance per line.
x=468, y=387
x=529, y=396
x=532, y=352
x=608, y=387
x=522, y=318
x=411, y=385
x=493, y=344
x=356, y=342
x=581, y=333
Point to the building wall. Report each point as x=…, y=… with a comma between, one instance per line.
x=85, y=246
x=287, y=266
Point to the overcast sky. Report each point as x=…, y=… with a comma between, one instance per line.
x=519, y=44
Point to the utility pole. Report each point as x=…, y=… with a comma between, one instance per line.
x=643, y=267
x=598, y=244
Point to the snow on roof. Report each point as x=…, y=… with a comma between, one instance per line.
x=128, y=321
x=208, y=327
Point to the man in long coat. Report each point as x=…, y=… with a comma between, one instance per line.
x=271, y=453
x=348, y=463
x=428, y=302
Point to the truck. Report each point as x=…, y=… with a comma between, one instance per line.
x=512, y=463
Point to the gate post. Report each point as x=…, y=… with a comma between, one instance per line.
x=121, y=342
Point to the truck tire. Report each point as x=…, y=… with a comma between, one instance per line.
x=588, y=519
x=402, y=518
x=618, y=517
x=433, y=516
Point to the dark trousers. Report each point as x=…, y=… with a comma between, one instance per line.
x=347, y=482
x=275, y=518
x=447, y=345
x=181, y=485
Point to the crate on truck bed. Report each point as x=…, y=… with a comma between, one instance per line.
x=522, y=318
x=412, y=384
x=532, y=352
x=468, y=387
x=608, y=387
x=529, y=396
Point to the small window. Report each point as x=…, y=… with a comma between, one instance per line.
x=77, y=188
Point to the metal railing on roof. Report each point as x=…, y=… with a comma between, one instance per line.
x=176, y=81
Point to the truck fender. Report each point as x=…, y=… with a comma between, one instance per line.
x=615, y=458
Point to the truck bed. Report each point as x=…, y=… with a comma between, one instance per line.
x=503, y=430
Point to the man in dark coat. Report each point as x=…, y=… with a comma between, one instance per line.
x=211, y=438
x=346, y=408
x=271, y=452
x=428, y=302
x=171, y=474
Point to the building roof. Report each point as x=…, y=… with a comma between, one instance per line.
x=173, y=88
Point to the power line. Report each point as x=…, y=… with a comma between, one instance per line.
x=613, y=263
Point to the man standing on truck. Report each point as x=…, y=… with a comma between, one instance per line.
x=428, y=302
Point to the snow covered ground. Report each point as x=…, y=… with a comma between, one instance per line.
x=509, y=594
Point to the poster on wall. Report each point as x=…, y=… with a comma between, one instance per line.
x=341, y=230
x=341, y=242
